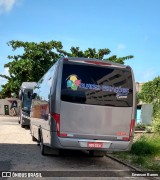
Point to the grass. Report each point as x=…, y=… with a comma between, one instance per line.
x=145, y=153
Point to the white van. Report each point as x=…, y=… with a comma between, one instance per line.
x=84, y=104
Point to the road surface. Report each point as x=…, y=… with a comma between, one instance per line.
x=19, y=153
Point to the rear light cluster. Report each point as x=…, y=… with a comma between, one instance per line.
x=125, y=138
x=56, y=117
x=132, y=124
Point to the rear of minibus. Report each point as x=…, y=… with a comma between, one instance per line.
x=97, y=106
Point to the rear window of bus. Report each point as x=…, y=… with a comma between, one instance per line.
x=96, y=85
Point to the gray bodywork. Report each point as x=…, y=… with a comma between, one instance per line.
x=82, y=123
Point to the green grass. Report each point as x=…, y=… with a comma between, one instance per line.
x=145, y=153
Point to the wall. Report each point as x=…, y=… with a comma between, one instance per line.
x=146, y=115
x=7, y=101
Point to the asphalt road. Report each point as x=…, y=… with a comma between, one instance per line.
x=19, y=153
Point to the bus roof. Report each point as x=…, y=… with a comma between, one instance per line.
x=95, y=61
x=28, y=85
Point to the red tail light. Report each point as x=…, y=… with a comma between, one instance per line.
x=98, y=63
x=125, y=138
x=65, y=59
x=131, y=128
x=56, y=117
x=132, y=124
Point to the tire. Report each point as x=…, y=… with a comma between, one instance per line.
x=94, y=153
x=34, y=139
x=19, y=119
x=27, y=127
x=22, y=126
x=42, y=146
x=45, y=150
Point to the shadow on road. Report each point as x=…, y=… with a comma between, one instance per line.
x=29, y=157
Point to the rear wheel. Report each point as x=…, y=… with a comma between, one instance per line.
x=42, y=146
x=34, y=139
x=45, y=150
x=94, y=153
x=19, y=119
x=22, y=126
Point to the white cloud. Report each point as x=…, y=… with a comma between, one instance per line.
x=121, y=47
x=147, y=75
x=2, y=81
x=5, y=72
x=7, y=5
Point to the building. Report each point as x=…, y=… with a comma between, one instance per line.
x=144, y=111
x=9, y=106
x=139, y=86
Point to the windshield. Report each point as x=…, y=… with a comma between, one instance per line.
x=27, y=99
x=96, y=85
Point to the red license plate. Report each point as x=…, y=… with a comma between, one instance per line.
x=95, y=145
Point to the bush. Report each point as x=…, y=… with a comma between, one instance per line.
x=140, y=126
x=156, y=109
x=156, y=126
x=148, y=129
x=144, y=146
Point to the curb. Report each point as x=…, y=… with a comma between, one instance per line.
x=131, y=166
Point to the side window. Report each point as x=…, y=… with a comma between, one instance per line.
x=44, y=84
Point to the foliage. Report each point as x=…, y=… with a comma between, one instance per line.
x=145, y=153
x=156, y=123
x=140, y=126
x=149, y=129
x=92, y=53
x=36, y=59
x=31, y=65
x=156, y=109
x=145, y=146
x=150, y=93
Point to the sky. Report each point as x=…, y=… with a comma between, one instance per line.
x=126, y=27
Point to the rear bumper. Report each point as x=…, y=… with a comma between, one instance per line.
x=81, y=144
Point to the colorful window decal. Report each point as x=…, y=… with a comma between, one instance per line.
x=74, y=83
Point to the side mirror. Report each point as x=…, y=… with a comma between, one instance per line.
x=34, y=95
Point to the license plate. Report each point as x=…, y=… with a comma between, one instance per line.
x=95, y=145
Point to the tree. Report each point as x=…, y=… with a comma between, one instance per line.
x=92, y=53
x=150, y=93
x=31, y=65
x=37, y=58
